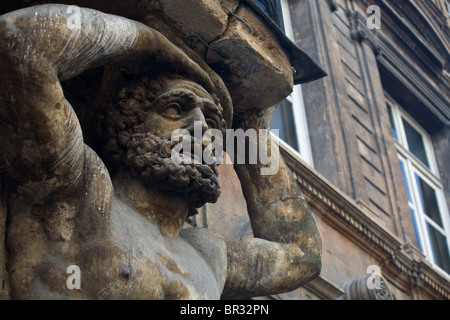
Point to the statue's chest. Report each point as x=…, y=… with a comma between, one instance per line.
x=129, y=259
x=137, y=262
x=123, y=274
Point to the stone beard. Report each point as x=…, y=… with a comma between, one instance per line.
x=148, y=156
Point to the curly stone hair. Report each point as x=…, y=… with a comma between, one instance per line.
x=123, y=114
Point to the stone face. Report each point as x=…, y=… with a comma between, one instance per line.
x=257, y=69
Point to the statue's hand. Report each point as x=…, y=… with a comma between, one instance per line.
x=286, y=238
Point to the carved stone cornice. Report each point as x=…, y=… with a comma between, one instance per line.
x=428, y=22
x=359, y=290
x=438, y=23
x=413, y=78
x=404, y=68
x=420, y=23
x=420, y=30
x=402, y=263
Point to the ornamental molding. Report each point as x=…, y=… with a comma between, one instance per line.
x=402, y=263
x=420, y=22
x=404, y=68
x=359, y=289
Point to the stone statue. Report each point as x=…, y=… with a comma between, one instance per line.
x=118, y=213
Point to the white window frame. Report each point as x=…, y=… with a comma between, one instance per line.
x=447, y=6
x=296, y=100
x=430, y=175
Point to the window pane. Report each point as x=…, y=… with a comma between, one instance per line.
x=277, y=123
x=416, y=229
x=415, y=143
x=391, y=118
x=440, y=249
x=429, y=201
x=283, y=120
x=405, y=181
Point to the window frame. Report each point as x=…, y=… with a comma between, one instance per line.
x=413, y=168
x=295, y=99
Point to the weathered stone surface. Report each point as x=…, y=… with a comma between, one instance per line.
x=205, y=18
x=257, y=69
x=117, y=213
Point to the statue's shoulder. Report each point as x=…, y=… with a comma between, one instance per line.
x=95, y=168
x=211, y=246
x=204, y=236
x=97, y=185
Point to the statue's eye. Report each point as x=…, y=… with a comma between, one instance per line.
x=172, y=109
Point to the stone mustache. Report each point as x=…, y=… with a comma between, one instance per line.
x=117, y=213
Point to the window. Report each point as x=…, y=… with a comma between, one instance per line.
x=289, y=118
x=447, y=6
x=424, y=189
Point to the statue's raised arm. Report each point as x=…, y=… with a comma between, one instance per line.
x=40, y=46
x=286, y=251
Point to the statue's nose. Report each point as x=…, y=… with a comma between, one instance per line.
x=197, y=121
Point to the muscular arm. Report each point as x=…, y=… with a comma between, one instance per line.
x=286, y=250
x=40, y=46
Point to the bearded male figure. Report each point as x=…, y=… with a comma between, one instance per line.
x=121, y=223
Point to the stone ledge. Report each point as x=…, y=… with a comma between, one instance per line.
x=257, y=69
x=257, y=65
